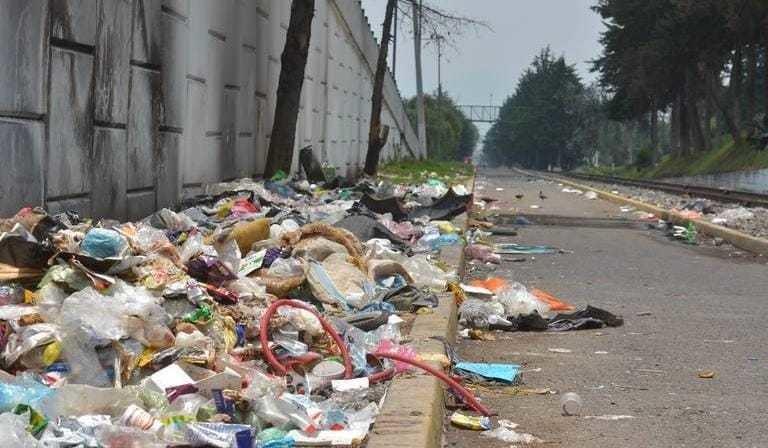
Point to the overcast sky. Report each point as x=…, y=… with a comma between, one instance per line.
x=490, y=62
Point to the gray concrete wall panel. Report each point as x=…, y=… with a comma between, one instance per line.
x=70, y=125
x=75, y=20
x=174, y=44
x=113, y=54
x=23, y=56
x=22, y=183
x=143, y=128
x=116, y=107
x=109, y=175
x=168, y=169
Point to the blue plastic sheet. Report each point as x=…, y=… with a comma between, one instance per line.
x=25, y=392
x=506, y=373
x=513, y=248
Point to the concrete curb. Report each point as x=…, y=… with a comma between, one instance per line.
x=412, y=415
x=739, y=239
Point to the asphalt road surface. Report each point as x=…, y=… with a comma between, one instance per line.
x=687, y=309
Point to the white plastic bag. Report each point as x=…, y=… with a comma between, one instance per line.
x=517, y=300
x=13, y=432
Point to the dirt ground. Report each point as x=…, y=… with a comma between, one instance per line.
x=686, y=308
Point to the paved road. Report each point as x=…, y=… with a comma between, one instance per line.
x=686, y=309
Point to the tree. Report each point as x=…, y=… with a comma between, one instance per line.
x=293, y=65
x=377, y=135
x=450, y=134
x=678, y=54
x=538, y=124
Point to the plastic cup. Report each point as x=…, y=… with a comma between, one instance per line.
x=137, y=417
x=570, y=404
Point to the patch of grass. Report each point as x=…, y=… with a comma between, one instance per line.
x=729, y=156
x=418, y=171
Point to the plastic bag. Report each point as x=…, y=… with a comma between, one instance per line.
x=302, y=320
x=278, y=230
x=382, y=248
x=426, y=274
x=246, y=288
x=27, y=339
x=81, y=400
x=194, y=246
x=481, y=314
x=506, y=433
x=228, y=252
x=103, y=316
x=553, y=302
x=104, y=243
x=170, y=220
x=249, y=232
x=286, y=267
x=11, y=294
x=149, y=239
x=323, y=287
x=482, y=253
x=493, y=284
x=292, y=346
x=13, y=432
x=433, y=240
x=50, y=298
x=517, y=300
x=388, y=346
x=125, y=437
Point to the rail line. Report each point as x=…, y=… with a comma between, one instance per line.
x=747, y=198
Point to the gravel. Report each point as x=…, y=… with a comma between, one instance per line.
x=755, y=226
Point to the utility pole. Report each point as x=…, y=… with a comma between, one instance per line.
x=420, y=112
x=439, y=40
x=394, y=48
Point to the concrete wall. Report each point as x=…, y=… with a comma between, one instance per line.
x=118, y=107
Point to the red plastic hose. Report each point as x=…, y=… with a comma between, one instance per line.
x=377, y=377
x=264, y=336
x=384, y=375
x=468, y=398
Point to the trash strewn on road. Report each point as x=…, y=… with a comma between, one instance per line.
x=750, y=220
x=260, y=314
x=510, y=306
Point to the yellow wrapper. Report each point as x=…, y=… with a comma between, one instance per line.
x=51, y=353
x=470, y=422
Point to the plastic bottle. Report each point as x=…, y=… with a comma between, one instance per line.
x=448, y=239
x=570, y=404
x=291, y=345
x=269, y=410
x=11, y=294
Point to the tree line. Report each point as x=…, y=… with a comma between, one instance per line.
x=699, y=64
x=546, y=122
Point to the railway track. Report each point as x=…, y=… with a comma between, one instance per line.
x=746, y=198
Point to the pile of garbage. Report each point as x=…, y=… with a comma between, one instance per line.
x=497, y=304
x=261, y=314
